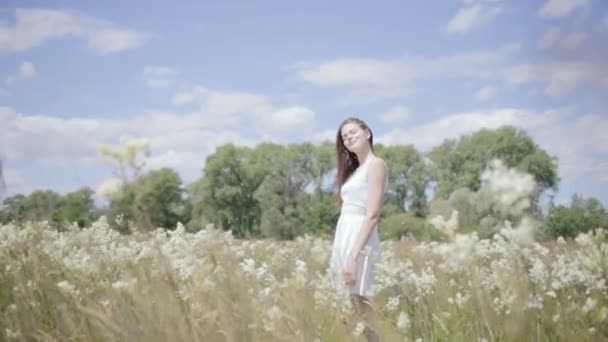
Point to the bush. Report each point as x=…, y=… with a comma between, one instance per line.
x=582, y=216
x=407, y=225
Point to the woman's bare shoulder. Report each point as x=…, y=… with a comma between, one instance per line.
x=378, y=164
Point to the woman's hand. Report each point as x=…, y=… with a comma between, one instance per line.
x=350, y=272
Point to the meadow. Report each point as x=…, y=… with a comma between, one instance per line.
x=94, y=284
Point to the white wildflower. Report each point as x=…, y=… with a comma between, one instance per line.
x=523, y=233
x=248, y=266
x=67, y=288
x=403, y=321
x=359, y=329
x=124, y=284
x=589, y=305
x=274, y=313
x=12, y=334
x=448, y=226
x=392, y=304
x=461, y=299
x=208, y=285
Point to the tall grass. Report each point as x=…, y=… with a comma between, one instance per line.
x=97, y=285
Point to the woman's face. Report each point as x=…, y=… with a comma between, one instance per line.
x=354, y=137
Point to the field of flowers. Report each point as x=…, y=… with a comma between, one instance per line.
x=97, y=285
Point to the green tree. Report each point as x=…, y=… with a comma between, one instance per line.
x=581, y=216
x=79, y=207
x=224, y=195
x=153, y=200
x=13, y=209
x=159, y=199
x=459, y=163
x=282, y=197
x=42, y=204
x=408, y=178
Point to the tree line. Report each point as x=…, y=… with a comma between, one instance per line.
x=284, y=191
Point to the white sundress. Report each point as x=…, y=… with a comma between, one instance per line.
x=352, y=215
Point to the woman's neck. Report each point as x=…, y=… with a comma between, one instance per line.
x=363, y=155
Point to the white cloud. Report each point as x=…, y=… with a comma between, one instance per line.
x=181, y=140
x=365, y=77
x=13, y=180
x=372, y=79
x=474, y=15
x=35, y=27
x=552, y=37
x=108, y=41
x=486, y=93
x=433, y=133
x=3, y=92
x=159, y=77
x=226, y=106
x=26, y=71
x=560, y=8
x=322, y=136
x=290, y=119
x=559, y=77
x=396, y=115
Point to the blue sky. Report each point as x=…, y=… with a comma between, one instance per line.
x=193, y=76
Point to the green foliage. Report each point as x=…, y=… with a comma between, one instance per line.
x=153, y=200
x=225, y=193
x=407, y=225
x=283, y=191
x=74, y=207
x=282, y=197
x=582, y=216
x=79, y=207
x=41, y=203
x=466, y=203
x=459, y=163
x=322, y=216
x=14, y=209
x=408, y=178
x=159, y=200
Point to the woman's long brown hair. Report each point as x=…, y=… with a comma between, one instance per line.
x=347, y=161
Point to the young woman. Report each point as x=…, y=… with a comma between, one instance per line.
x=362, y=181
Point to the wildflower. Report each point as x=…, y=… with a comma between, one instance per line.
x=67, y=288
x=403, y=321
x=589, y=305
x=392, y=304
x=461, y=300
x=208, y=285
x=359, y=329
x=274, y=313
x=12, y=334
